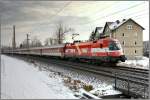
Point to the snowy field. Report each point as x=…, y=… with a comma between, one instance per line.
x=140, y=62
x=29, y=79
x=21, y=80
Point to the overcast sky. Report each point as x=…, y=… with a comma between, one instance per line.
x=39, y=18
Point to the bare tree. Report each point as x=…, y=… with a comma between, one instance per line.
x=49, y=41
x=146, y=48
x=92, y=36
x=60, y=32
x=46, y=42
x=35, y=42
x=24, y=44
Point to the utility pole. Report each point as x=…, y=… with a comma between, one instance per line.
x=28, y=40
x=27, y=45
x=0, y=36
x=14, y=38
x=59, y=36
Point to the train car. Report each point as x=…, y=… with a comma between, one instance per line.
x=54, y=50
x=106, y=50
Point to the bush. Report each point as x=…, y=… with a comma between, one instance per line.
x=88, y=87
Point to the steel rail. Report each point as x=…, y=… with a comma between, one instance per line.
x=109, y=73
x=135, y=74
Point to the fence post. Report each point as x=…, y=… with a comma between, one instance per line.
x=128, y=86
x=115, y=81
x=144, y=90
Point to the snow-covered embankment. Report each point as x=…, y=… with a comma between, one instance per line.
x=21, y=80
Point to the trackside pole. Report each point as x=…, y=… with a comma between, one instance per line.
x=128, y=86
x=115, y=81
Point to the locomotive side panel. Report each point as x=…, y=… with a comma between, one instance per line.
x=101, y=50
x=78, y=50
x=84, y=51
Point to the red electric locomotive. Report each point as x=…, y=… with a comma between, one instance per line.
x=105, y=50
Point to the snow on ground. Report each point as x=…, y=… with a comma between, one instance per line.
x=44, y=80
x=104, y=91
x=140, y=62
x=100, y=83
x=86, y=77
x=21, y=80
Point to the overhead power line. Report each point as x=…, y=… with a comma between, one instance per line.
x=61, y=9
x=140, y=15
x=130, y=15
x=137, y=16
x=122, y=10
x=102, y=9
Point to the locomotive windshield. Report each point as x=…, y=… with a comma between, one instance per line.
x=114, y=45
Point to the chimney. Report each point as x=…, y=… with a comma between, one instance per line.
x=123, y=19
x=117, y=21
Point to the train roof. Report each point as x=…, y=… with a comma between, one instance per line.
x=45, y=47
x=90, y=42
x=63, y=45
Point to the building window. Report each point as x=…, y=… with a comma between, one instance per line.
x=135, y=43
x=129, y=27
x=122, y=34
x=123, y=43
x=135, y=51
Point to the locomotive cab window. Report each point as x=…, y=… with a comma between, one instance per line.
x=114, y=46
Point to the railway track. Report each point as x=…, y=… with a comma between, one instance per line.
x=136, y=76
x=132, y=73
x=138, y=70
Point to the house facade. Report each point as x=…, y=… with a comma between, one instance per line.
x=98, y=32
x=130, y=35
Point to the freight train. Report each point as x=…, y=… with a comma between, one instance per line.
x=102, y=50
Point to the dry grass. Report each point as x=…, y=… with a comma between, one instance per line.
x=88, y=87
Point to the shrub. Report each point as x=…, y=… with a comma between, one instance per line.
x=88, y=87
